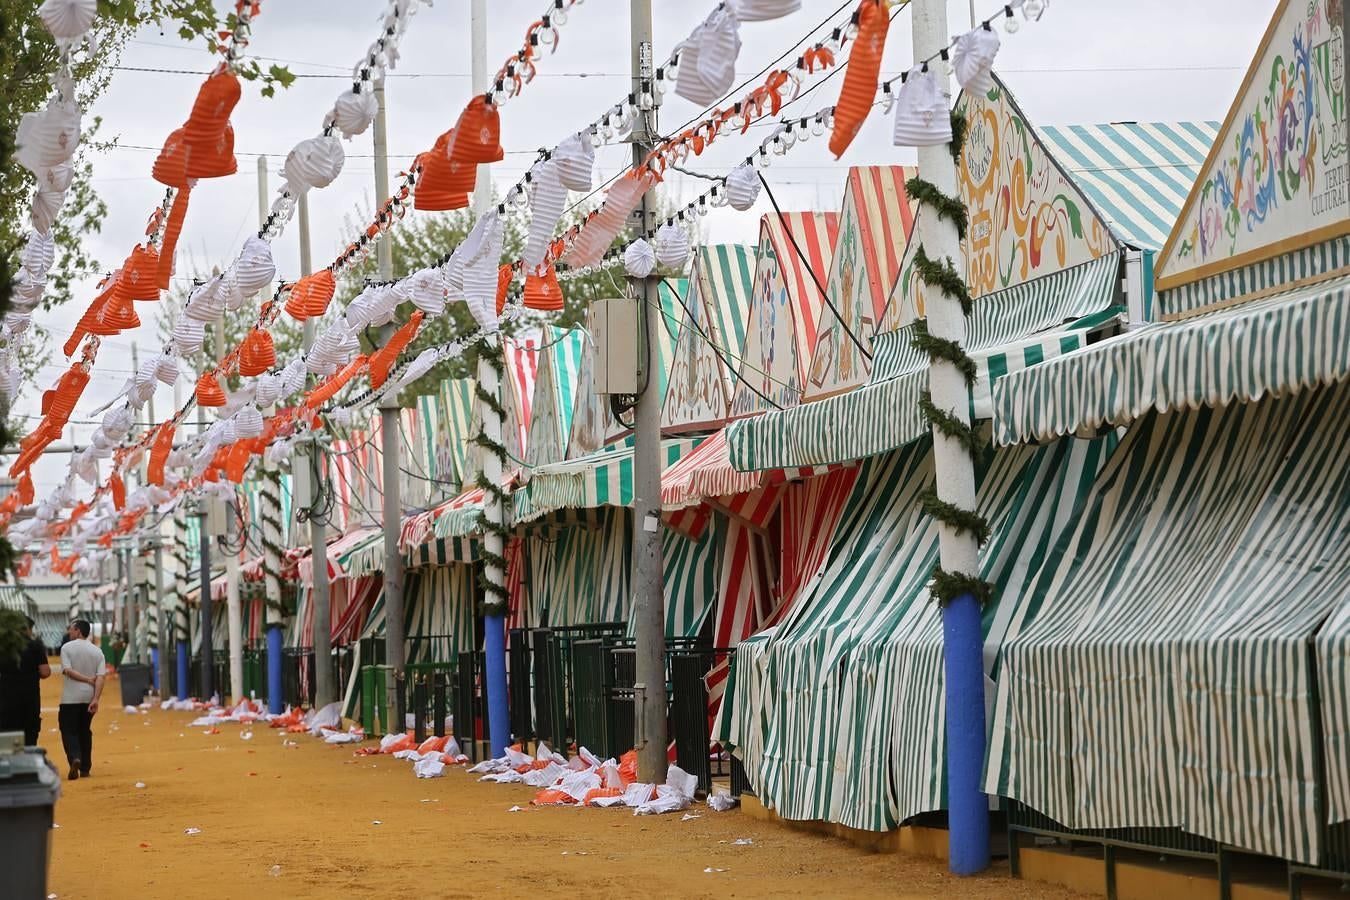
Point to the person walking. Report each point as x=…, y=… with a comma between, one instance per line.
x=84, y=669
x=20, y=694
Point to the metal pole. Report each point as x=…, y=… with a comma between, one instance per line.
x=648, y=594
x=389, y=442
x=962, y=637
x=478, y=67
x=308, y=485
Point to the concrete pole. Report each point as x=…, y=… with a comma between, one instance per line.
x=208, y=647
x=390, y=445
x=308, y=480
x=649, y=613
x=968, y=807
x=478, y=67
x=122, y=580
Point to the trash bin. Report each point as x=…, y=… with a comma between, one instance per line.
x=135, y=681
x=29, y=786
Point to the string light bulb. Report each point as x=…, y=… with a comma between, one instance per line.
x=1010, y=23
x=1033, y=9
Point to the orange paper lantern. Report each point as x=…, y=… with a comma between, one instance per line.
x=209, y=392
x=860, y=80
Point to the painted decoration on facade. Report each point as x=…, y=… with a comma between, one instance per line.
x=1277, y=177
x=703, y=372
x=785, y=309
x=1027, y=217
x=874, y=228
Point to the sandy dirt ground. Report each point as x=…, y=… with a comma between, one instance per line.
x=313, y=820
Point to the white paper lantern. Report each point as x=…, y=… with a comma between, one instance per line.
x=639, y=259
x=207, y=301
x=46, y=206
x=922, y=114
x=426, y=289
x=973, y=59
x=353, y=113
x=742, y=187
x=166, y=368
x=266, y=390
x=575, y=159
x=248, y=422
x=672, y=246
x=254, y=269
x=68, y=19
x=188, y=335
x=546, y=206
x=314, y=163
x=764, y=10
x=39, y=252
x=707, y=66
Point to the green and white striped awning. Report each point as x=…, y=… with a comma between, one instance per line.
x=837, y=712
x=1006, y=334
x=1285, y=343
x=601, y=479
x=1158, y=671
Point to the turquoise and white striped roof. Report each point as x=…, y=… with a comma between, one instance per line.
x=1137, y=174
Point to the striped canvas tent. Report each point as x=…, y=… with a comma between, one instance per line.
x=601, y=479
x=1011, y=330
x=874, y=228
x=452, y=440
x=837, y=710
x=791, y=264
x=1137, y=175
x=520, y=356
x=555, y=395
x=1157, y=672
x=703, y=373
x=1028, y=216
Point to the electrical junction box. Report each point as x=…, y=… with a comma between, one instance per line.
x=138, y=570
x=614, y=328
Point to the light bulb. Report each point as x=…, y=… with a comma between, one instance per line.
x=851, y=32
x=1033, y=9
x=818, y=126
x=594, y=137
x=606, y=132
x=559, y=17
x=1011, y=25
x=789, y=139
x=546, y=35
x=645, y=100
x=763, y=158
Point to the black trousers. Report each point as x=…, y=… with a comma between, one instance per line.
x=77, y=736
x=29, y=723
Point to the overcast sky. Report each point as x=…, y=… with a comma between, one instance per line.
x=1084, y=62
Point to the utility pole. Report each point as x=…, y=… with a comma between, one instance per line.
x=962, y=636
x=308, y=481
x=125, y=622
x=161, y=652
x=389, y=442
x=478, y=67
x=648, y=595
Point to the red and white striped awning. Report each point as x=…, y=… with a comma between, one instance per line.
x=706, y=472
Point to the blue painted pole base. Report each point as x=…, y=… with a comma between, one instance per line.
x=182, y=670
x=275, y=702
x=967, y=804
x=154, y=668
x=494, y=663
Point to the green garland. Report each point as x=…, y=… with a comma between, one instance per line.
x=496, y=598
x=943, y=348
x=943, y=276
x=949, y=208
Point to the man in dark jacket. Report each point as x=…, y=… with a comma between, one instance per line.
x=20, y=694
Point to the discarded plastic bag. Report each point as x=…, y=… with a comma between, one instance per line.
x=429, y=767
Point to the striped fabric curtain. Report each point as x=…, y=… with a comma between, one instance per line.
x=1158, y=673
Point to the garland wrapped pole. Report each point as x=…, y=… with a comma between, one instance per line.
x=165, y=611
x=276, y=610
x=390, y=447
x=956, y=583
x=234, y=607
x=496, y=598
x=649, y=615
x=180, y=589
x=309, y=485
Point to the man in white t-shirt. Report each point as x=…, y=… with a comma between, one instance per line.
x=83, y=666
